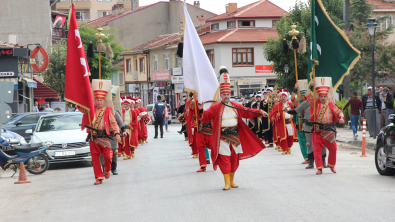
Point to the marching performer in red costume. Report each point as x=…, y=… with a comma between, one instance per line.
x=143, y=134
x=203, y=136
x=327, y=113
x=129, y=119
x=125, y=104
x=233, y=140
x=103, y=120
x=191, y=127
x=284, y=131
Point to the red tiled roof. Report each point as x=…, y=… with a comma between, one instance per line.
x=382, y=4
x=44, y=92
x=259, y=9
x=103, y=20
x=239, y=35
x=159, y=41
x=119, y=63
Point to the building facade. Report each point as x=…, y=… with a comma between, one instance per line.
x=236, y=39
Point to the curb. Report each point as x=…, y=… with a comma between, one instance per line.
x=358, y=143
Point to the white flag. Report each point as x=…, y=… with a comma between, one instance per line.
x=199, y=75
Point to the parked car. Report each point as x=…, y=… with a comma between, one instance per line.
x=150, y=108
x=64, y=131
x=385, y=145
x=14, y=139
x=21, y=122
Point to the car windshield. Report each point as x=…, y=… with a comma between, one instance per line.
x=13, y=119
x=55, y=123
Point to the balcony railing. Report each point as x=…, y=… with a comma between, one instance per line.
x=59, y=33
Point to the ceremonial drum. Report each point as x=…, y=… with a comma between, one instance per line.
x=147, y=120
x=182, y=119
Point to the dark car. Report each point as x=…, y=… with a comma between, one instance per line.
x=21, y=122
x=385, y=147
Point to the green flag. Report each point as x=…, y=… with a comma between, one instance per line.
x=330, y=47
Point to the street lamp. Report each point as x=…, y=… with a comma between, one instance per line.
x=371, y=26
x=286, y=69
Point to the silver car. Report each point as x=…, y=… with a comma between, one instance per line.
x=64, y=131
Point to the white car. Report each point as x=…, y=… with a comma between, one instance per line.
x=150, y=108
x=63, y=130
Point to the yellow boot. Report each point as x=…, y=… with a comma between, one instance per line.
x=127, y=157
x=289, y=150
x=227, y=182
x=195, y=156
x=146, y=141
x=142, y=142
x=285, y=152
x=232, y=184
x=119, y=154
x=280, y=150
x=133, y=154
x=123, y=153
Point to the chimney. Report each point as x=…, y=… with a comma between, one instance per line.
x=231, y=7
x=196, y=4
x=117, y=9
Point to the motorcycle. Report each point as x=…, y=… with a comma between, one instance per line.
x=34, y=156
x=385, y=149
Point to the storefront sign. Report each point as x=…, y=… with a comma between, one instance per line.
x=161, y=83
x=7, y=74
x=6, y=52
x=251, y=82
x=160, y=76
x=177, y=79
x=176, y=71
x=263, y=68
x=133, y=88
x=58, y=106
x=178, y=88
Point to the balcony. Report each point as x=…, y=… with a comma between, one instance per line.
x=59, y=33
x=126, y=4
x=79, y=4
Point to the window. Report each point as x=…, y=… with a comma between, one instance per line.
x=29, y=119
x=246, y=24
x=274, y=23
x=166, y=62
x=231, y=24
x=210, y=55
x=114, y=79
x=243, y=56
x=178, y=61
x=135, y=65
x=155, y=59
x=104, y=13
x=104, y=0
x=121, y=78
x=81, y=16
x=142, y=65
x=128, y=66
x=215, y=27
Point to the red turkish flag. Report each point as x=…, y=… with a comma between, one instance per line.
x=77, y=84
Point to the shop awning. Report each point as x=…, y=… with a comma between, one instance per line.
x=44, y=92
x=251, y=82
x=30, y=82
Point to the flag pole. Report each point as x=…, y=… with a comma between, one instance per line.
x=294, y=33
x=100, y=46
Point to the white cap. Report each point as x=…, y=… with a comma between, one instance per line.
x=369, y=87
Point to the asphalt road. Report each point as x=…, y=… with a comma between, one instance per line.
x=161, y=184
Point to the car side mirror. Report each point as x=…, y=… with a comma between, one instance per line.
x=29, y=131
x=18, y=123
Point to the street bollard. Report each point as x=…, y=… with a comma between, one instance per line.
x=364, y=139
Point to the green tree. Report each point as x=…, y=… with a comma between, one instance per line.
x=88, y=35
x=360, y=10
x=54, y=76
x=273, y=49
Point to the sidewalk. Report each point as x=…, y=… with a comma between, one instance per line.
x=345, y=135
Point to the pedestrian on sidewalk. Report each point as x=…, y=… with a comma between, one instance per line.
x=388, y=100
x=372, y=112
x=356, y=110
x=166, y=122
x=159, y=113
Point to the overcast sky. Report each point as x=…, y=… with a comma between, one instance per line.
x=218, y=6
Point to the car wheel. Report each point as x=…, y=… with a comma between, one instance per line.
x=380, y=160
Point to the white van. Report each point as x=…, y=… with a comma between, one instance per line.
x=150, y=107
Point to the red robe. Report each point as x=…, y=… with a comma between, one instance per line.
x=250, y=143
x=133, y=128
x=279, y=128
x=142, y=127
